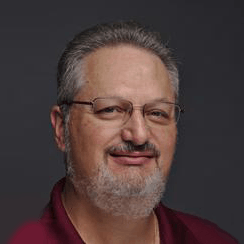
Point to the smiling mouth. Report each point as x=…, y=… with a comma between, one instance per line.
x=132, y=158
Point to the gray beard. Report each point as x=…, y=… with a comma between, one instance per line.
x=130, y=195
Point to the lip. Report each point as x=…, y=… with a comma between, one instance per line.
x=132, y=158
x=132, y=154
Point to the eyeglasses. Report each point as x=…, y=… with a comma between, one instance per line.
x=116, y=111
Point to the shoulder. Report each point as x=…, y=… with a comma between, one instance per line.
x=29, y=233
x=204, y=230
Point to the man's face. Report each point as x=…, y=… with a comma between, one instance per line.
x=138, y=76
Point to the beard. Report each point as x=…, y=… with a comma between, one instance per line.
x=129, y=194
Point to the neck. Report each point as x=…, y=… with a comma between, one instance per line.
x=95, y=226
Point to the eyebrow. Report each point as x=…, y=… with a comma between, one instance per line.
x=160, y=99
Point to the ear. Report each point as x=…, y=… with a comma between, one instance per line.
x=57, y=122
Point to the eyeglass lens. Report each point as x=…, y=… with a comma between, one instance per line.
x=117, y=111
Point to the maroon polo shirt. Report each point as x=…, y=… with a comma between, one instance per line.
x=175, y=227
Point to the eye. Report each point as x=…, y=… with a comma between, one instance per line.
x=159, y=114
x=110, y=110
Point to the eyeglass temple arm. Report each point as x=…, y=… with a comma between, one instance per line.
x=182, y=109
x=75, y=102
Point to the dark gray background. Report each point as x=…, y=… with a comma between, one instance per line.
x=207, y=38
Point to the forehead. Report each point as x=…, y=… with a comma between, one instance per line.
x=126, y=71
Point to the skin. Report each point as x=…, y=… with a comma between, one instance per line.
x=140, y=77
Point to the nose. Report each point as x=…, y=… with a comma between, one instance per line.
x=135, y=129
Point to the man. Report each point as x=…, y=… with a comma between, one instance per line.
x=115, y=121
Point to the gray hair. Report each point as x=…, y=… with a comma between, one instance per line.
x=70, y=76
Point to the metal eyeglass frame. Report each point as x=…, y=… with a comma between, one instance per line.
x=91, y=103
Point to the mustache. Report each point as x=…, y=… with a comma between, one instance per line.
x=131, y=147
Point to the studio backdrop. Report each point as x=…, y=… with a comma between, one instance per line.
x=206, y=38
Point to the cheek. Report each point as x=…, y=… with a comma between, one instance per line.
x=85, y=139
x=166, y=141
x=95, y=135
x=88, y=142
